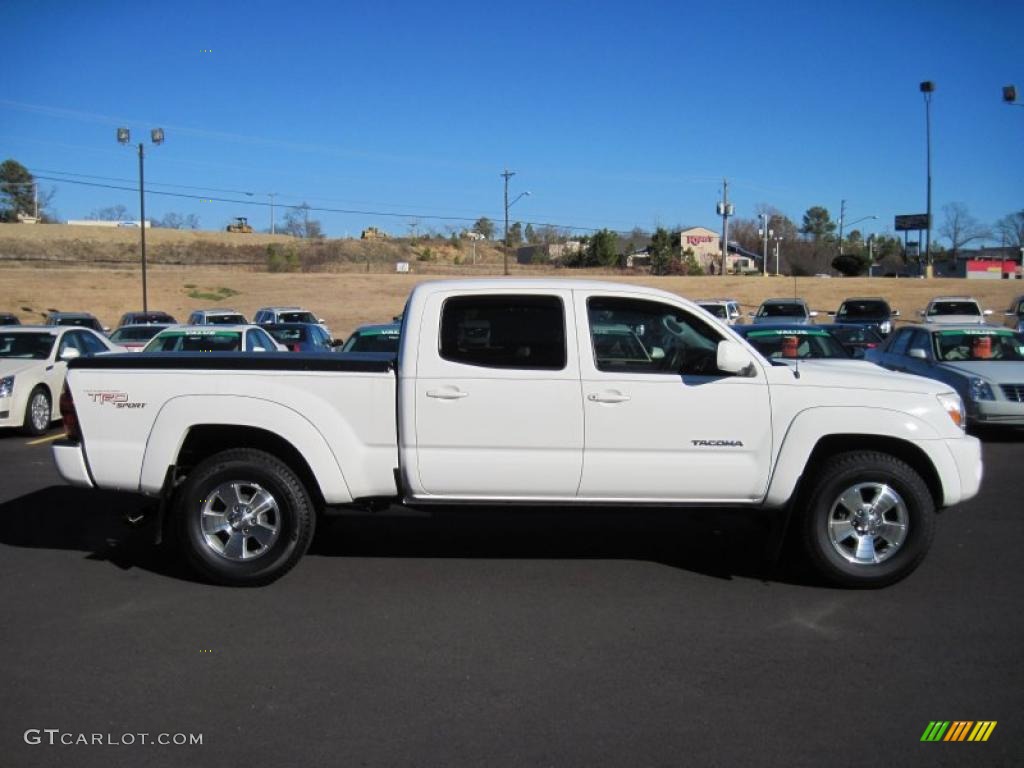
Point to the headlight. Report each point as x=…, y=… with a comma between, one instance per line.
x=980, y=390
x=954, y=407
x=6, y=386
x=885, y=327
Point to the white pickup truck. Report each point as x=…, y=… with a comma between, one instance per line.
x=556, y=392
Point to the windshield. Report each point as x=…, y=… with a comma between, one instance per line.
x=718, y=310
x=374, y=341
x=857, y=335
x=782, y=310
x=286, y=335
x=954, y=308
x=144, y=333
x=863, y=309
x=81, y=322
x=974, y=346
x=29, y=346
x=296, y=317
x=797, y=344
x=219, y=341
x=225, y=320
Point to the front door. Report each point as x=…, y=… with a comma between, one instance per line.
x=661, y=421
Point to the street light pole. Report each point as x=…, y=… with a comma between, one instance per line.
x=725, y=210
x=506, y=175
x=778, y=241
x=272, y=195
x=765, y=233
x=157, y=137
x=927, y=88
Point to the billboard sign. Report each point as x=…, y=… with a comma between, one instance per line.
x=911, y=222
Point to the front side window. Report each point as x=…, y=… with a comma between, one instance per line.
x=514, y=331
x=639, y=336
x=899, y=343
x=28, y=346
x=91, y=345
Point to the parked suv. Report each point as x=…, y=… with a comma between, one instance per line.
x=272, y=315
x=81, y=319
x=216, y=317
x=872, y=311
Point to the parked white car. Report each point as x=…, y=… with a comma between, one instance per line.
x=954, y=310
x=216, y=338
x=726, y=310
x=33, y=362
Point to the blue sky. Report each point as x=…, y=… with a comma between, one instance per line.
x=612, y=114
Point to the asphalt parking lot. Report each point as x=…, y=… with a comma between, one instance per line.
x=490, y=638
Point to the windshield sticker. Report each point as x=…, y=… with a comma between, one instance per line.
x=787, y=332
x=976, y=332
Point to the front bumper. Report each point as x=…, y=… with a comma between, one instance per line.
x=966, y=453
x=995, y=412
x=70, y=459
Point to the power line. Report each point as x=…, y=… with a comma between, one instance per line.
x=351, y=211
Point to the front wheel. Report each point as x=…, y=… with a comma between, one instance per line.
x=38, y=413
x=869, y=520
x=244, y=518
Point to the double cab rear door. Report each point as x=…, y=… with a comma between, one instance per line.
x=562, y=395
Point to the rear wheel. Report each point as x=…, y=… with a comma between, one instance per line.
x=244, y=518
x=869, y=520
x=38, y=412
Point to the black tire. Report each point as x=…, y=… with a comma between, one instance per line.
x=853, y=545
x=249, y=548
x=38, y=399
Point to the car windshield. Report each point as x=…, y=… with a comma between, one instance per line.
x=219, y=341
x=797, y=344
x=856, y=335
x=141, y=333
x=29, y=346
x=81, y=322
x=286, y=335
x=781, y=310
x=718, y=310
x=296, y=317
x=954, y=308
x=851, y=310
x=225, y=320
x=974, y=346
x=372, y=341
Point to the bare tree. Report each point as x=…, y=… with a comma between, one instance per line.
x=298, y=224
x=111, y=213
x=959, y=227
x=1011, y=229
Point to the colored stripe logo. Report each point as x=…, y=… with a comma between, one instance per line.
x=958, y=730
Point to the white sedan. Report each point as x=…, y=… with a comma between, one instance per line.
x=214, y=338
x=33, y=362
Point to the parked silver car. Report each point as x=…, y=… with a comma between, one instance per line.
x=984, y=364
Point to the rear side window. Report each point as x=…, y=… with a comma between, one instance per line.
x=526, y=332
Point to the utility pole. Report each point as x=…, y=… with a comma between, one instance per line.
x=506, y=175
x=272, y=195
x=842, y=218
x=765, y=233
x=142, y=227
x=725, y=210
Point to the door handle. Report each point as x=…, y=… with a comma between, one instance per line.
x=607, y=397
x=447, y=394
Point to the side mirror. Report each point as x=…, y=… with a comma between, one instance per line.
x=813, y=313
x=987, y=312
x=337, y=342
x=70, y=354
x=657, y=353
x=895, y=313
x=920, y=312
x=733, y=358
x=917, y=354
x=831, y=313
x=321, y=320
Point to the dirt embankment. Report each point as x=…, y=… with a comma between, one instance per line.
x=62, y=244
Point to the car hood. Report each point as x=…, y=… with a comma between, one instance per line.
x=956, y=320
x=15, y=366
x=991, y=370
x=861, y=374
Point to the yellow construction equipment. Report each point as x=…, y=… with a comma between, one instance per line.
x=241, y=224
